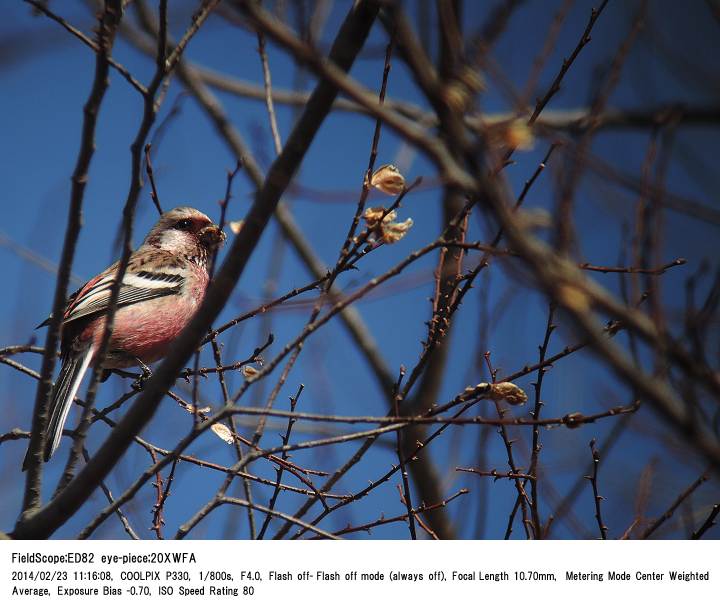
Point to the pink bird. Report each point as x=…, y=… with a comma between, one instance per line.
x=162, y=288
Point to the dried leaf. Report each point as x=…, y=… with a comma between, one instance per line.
x=520, y=136
x=374, y=215
x=535, y=218
x=249, y=372
x=223, y=432
x=236, y=225
x=457, y=96
x=509, y=392
x=193, y=410
x=388, y=179
x=512, y=133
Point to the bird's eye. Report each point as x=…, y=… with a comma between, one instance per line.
x=183, y=224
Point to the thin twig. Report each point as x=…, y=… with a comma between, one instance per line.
x=596, y=496
x=405, y=493
x=151, y=176
x=536, y=446
x=656, y=524
x=268, y=93
x=493, y=473
x=642, y=271
x=567, y=63
x=286, y=439
x=122, y=70
x=709, y=522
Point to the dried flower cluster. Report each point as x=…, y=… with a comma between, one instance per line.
x=382, y=223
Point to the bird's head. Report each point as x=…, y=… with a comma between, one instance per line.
x=186, y=231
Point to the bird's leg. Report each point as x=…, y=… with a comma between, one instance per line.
x=146, y=374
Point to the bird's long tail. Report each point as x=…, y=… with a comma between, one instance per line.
x=63, y=393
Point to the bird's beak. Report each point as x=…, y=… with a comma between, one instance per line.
x=211, y=236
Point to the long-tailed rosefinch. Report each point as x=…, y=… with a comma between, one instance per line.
x=161, y=290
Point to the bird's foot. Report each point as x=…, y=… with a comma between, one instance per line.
x=139, y=382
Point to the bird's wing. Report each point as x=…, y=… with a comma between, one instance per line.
x=137, y=286
x=70, y=298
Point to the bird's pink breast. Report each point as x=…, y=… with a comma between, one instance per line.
x=145, y=330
